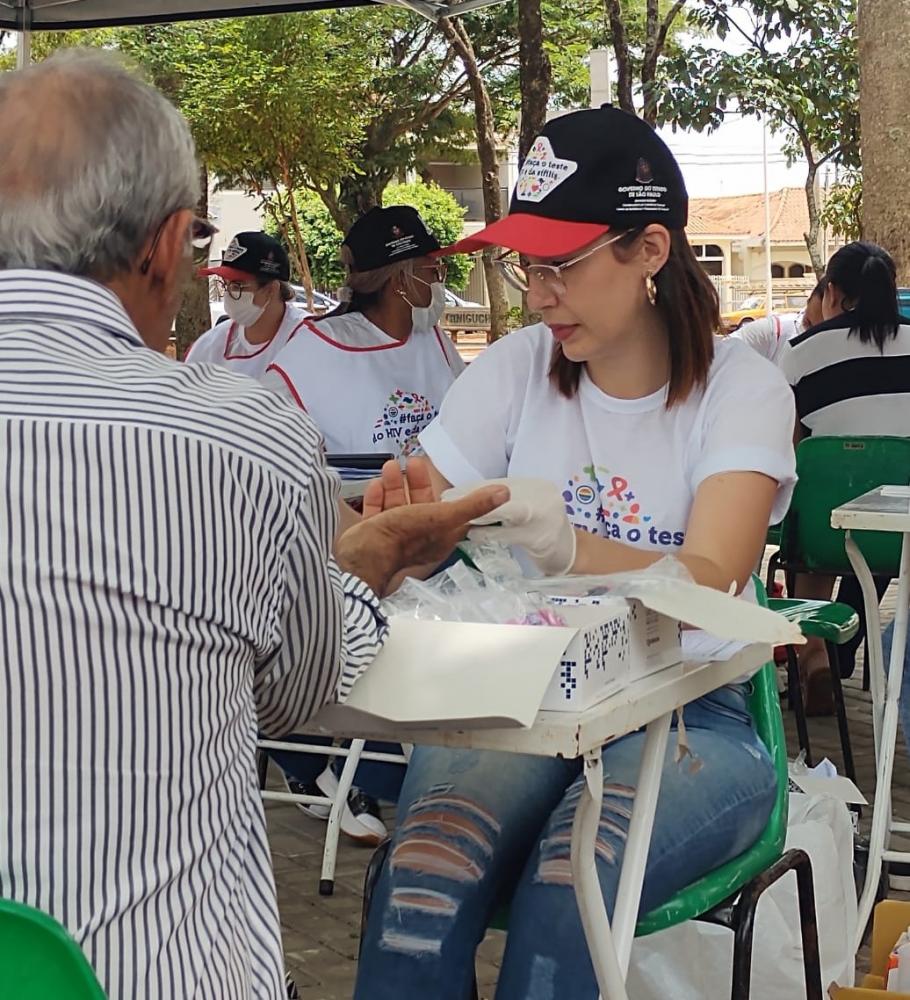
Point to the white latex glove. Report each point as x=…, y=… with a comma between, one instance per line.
x=534, y=518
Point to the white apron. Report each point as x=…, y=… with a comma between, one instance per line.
x=366, y=391
x=226, y=345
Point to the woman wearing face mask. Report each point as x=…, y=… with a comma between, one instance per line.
x=649, y=437
x=259, y=303
x=373, y=373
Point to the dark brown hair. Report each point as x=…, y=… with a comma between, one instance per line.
x=686, y=302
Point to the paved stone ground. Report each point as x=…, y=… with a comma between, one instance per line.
x=321, y=934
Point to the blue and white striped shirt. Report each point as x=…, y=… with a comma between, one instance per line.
x=166, y=586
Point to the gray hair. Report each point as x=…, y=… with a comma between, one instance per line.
x=95, y=161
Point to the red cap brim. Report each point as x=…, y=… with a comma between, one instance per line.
x=533, y=235
x=228, y=273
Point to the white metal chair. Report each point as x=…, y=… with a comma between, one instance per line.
x=353, y=754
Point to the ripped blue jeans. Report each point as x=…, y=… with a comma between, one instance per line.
x=477, y=827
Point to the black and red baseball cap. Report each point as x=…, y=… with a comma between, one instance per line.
x=255, y=255
x=588, y=172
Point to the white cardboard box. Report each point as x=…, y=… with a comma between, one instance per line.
x=433, y=674
x=617, y=640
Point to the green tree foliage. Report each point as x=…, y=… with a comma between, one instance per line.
x=268, y=99
x=438, y=209
x=843, y=207
x=794, y=63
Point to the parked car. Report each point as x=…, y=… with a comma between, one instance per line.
x=322, y=303
x=454, y=301
x=753, y=308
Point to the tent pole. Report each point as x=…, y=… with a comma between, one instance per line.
x=24, y=37
x=23, y=49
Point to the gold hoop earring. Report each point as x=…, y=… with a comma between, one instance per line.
x=651, y=288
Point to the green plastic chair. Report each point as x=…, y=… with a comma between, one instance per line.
x=729, y=895
x=835, y=624
x=39, y=960
x=833, y=470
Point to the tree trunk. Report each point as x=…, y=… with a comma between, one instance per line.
x=884, y=82
x=195, y=316
x=458, y=38
x=812, y=237
x=656, y=31
x=621, y=51
x=358, y=193
x=534, y=74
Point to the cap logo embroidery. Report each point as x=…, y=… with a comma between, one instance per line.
x=542, y=172
x=233, y=251
x=643, y=172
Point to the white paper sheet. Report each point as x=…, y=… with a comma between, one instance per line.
x=433, y=672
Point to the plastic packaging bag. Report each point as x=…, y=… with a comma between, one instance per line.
x=694, y=961
x=460, y=594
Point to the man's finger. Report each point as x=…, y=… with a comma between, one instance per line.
x=373, y=497
x=420, y=485
x=394, y=486
x=477, y=503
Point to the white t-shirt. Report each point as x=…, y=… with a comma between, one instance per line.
x=844, y=387
x=628, y=468
x=366, y=391
x=226, y=344
x=770, y=335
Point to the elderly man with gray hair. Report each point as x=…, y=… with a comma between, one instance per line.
x=170, y=575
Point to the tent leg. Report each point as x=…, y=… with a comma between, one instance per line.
x=23, y=49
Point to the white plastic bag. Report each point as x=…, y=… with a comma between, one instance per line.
x=694, y=961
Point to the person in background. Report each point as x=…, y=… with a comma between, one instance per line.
x=850, y=376
x=261, y=316
x=904, y=705
x=771, y=335
x=372, y=375
x=170, y=575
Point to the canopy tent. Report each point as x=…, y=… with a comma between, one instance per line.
x=50, y=15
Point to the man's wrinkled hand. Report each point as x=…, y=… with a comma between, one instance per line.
x=380, y=546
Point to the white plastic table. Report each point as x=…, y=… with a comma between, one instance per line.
x=884, y=509
x=649, y=702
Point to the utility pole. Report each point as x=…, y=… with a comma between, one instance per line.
x=769, y=289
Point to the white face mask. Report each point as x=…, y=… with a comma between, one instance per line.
x=426, y=317
x=243, y=310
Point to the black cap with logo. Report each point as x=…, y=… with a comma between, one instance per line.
x=385, y=236
x=252, y=254
x=587, y=173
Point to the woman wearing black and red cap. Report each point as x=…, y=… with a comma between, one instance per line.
x=647, y=436
x=373, y=373
x=259, y=303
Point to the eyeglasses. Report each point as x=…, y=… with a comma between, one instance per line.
x=234, y=289
x=438, y=271
x=201, y=234
x=549, y=276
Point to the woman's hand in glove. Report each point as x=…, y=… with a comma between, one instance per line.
x=534, y=517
